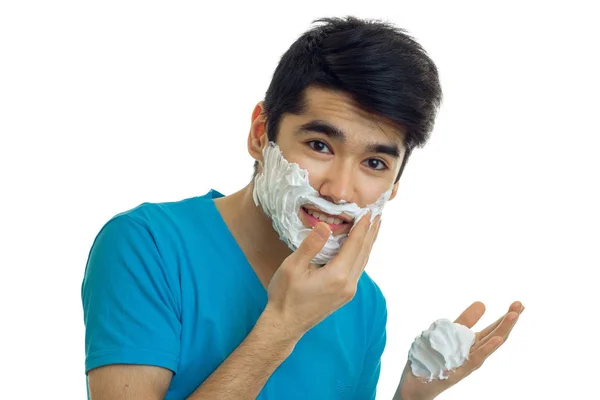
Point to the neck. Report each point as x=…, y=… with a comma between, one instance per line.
x=253, y=231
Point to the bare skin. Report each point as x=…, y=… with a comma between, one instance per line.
x=339, y=172
x=299, y=294
x=351, y=155
x=487, y=341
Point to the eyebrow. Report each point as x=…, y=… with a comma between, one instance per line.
x=335, y=133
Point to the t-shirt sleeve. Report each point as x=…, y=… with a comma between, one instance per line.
x=130, y=311
x=371, y=369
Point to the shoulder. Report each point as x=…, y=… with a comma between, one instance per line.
x=142, y=241
x=163, y=222
x=168, y=215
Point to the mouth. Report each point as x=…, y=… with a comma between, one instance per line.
x=337, y=223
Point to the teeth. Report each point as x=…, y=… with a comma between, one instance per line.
x=314, y=214
x=325, y=218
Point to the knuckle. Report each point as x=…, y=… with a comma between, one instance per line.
x=340, y=279
x=286, y=272
x=348, y=292
x=473, y=365
x=473, y=361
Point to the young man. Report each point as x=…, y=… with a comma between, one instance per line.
x=249, y=295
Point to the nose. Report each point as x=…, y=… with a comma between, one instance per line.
x=338, y=187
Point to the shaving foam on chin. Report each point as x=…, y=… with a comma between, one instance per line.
x=441, y=348
x=282, y=188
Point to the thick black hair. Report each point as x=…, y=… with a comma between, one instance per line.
x=379, y=65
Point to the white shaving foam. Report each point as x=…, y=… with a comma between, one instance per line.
x=443, y=347
x=282, y=188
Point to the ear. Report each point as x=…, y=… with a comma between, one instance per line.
x=394, y=190
x=257, y=138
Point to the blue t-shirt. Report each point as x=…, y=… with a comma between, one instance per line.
x=167, y=285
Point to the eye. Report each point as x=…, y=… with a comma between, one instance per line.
x=376, y=164
x=318, y=146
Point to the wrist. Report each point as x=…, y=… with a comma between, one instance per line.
x=400, y=396
x=273, y=327
x=403, y=394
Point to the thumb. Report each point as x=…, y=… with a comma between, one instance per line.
x=313, y=243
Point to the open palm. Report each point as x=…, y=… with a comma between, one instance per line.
x=486, y=342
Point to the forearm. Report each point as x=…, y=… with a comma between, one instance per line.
x=398, y=395
x=244, y=373
x=402, y=395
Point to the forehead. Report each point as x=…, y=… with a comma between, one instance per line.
x=342, y=111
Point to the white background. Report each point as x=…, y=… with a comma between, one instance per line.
x=104, y=105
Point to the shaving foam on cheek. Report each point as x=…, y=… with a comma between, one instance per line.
x=443, y=347
x=282, y=188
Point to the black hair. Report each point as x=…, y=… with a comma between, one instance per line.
x=379, y=65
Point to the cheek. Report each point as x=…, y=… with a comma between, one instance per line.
x=316, y=172
x=317, y=169
x=370, y=190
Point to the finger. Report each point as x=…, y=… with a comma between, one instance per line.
x=477, y=358
x=353, y=244
x=378, y=226
x=471, y=315
x=367, y=246
x=515, y=306
x=489, y=329
x=377, y=221
x=369, y=239
x=312, y=244
x=503, y=330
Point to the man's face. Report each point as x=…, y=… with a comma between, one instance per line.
x=350, y=155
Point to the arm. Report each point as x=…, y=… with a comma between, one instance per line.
x=129, y=298
x=132, y=326
x=121, y=381
x=130, y=312
x=300, y=296
x=244, y=373
x=486, y=342
x=241, y=376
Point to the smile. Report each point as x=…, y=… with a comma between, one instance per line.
x=337, y=223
